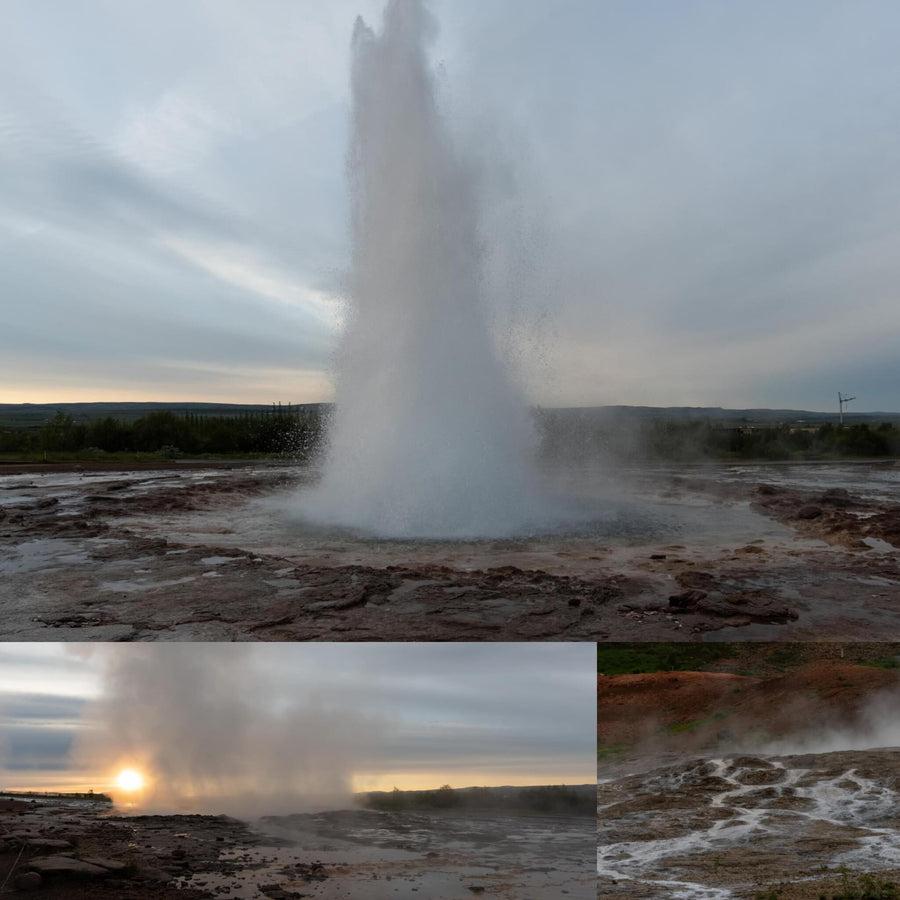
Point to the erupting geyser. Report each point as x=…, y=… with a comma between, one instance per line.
x=429, y=437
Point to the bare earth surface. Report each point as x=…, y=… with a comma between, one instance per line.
x=81, y=852
x=201, y=553
x=701, y=712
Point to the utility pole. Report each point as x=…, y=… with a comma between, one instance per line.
x=841, y=401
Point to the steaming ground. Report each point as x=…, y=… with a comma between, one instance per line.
x=725, y=786
x=722, y=552
x=340, y=854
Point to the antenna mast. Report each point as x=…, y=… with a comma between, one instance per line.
x=841, y=401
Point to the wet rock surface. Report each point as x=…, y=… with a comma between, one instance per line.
x=732, y=827
x=834, y=515
x=377, y=855
x=207, y=554
x=67, y=849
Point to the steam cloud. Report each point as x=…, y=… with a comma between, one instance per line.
x=430, y=438
x=877, y=725
x=213, y=736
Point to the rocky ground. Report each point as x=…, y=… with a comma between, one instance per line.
x=196, y=554
x=753, y=827
x=67, y=850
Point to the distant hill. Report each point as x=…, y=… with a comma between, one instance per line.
x=34, y=415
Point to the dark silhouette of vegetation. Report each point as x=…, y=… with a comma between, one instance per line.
x=666, y=440
x=293, y=430
x=443, y=798
x=631, y=659
x=883, y=662
x=540, y=800
x=554, y=798
x=298, y=430
x=59, y=795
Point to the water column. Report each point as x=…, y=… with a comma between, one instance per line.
x=429, y=437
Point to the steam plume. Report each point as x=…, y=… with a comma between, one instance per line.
x=208, y=729
x=429, y=438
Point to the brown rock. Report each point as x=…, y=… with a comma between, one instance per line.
x=686, y=599
x=111, y=865
x=836, y=497
x=66, y=866
x=27, y=881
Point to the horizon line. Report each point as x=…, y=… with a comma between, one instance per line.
x=820, y=411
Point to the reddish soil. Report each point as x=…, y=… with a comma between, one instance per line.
x=693, y=711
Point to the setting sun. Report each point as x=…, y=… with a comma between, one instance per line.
x=130, y=780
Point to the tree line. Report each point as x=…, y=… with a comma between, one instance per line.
x=547, y=799
x=664, y=440
x=294, y=430
x=298, y=431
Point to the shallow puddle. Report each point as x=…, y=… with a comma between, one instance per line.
x=406, y=856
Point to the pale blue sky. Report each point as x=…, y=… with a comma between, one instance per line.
x=688, y=202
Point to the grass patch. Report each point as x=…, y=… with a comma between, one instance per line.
x=853, y=887
x=610, y=753
x=634, y=659
x=881, y=662
x=786, y=657
x=682, y=727
x=864, y=887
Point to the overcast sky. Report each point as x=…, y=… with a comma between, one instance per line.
x=413, y=714
x=690, y=202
